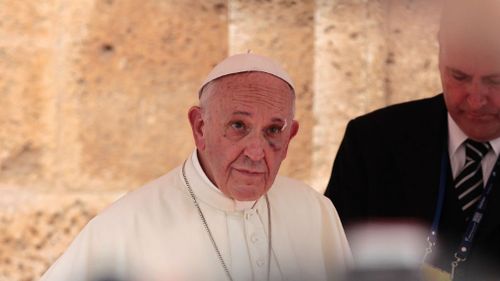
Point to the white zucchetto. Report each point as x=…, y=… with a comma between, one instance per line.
x=245, y=63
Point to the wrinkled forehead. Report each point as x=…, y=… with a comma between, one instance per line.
x=252, y=89
x=471, y=24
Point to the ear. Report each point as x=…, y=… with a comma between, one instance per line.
x=197, y=124
x=294, y=129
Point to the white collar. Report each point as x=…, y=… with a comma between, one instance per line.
x=457, y=137
x=209, y=192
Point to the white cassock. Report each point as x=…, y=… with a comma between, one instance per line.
x=155, y=233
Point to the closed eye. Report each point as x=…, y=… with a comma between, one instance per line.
x=459, y=76
x=495, y=80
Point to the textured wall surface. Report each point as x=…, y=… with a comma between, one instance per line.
x=37, y=226
x=349, y=72
x=94, y=94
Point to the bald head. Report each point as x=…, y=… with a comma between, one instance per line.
x=473, y=24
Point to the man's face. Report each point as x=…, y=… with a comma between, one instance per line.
x=243, y=132
x=470, y=75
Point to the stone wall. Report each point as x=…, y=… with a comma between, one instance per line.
x=95, y=93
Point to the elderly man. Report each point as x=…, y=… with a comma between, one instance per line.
x=224, y=214
x=436, y=159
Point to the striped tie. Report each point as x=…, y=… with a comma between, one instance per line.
x=469, y=183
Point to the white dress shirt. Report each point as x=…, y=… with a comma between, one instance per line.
x=456, y=149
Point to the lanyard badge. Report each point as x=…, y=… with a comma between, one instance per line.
x=431, y=273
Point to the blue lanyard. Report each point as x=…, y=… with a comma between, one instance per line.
x=432, y=238
x=467, y=239
x=440, y=201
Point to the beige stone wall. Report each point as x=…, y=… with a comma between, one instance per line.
x=94, y=94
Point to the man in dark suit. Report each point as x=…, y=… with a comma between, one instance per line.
x=391, y=162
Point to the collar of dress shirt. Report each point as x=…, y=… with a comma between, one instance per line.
x=457, y=137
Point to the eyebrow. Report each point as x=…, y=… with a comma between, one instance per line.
x=242, y=113
x=456, y=70
x=274, y=119
x=496, y=75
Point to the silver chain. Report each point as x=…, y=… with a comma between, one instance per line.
x=210, y=235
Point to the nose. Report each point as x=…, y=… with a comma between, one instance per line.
x=477, y=95
x=254, y=148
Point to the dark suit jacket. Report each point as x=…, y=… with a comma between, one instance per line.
x=388, y=166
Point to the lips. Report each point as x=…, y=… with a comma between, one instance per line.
x=479, y=116
x=249, y=172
